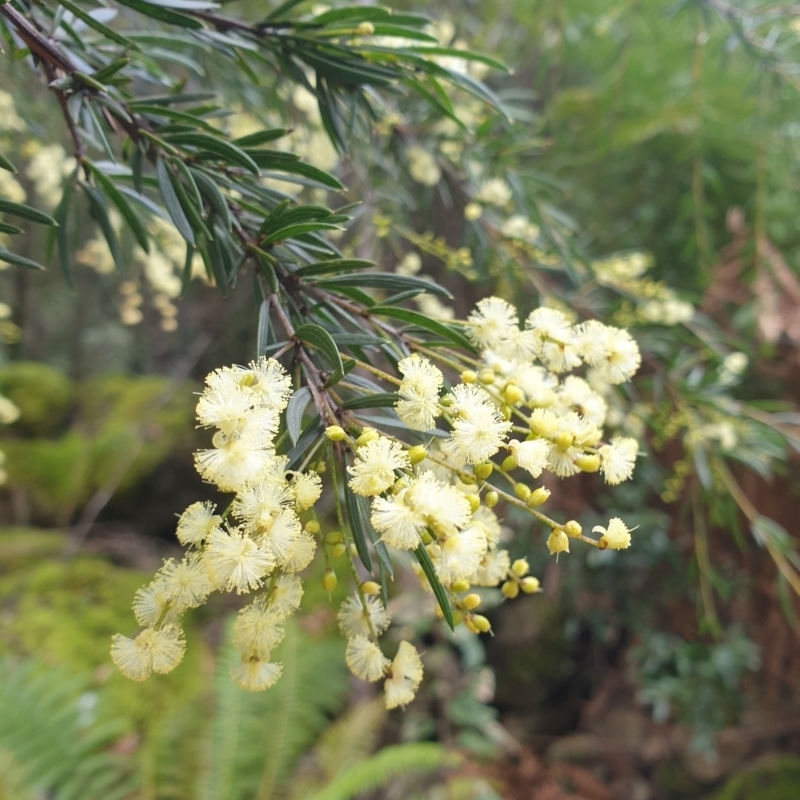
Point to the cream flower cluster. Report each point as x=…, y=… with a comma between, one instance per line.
x=258, y=544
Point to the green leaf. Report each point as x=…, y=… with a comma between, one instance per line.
x=214, y=196
x=386, y=281
x=283, y=8
x=357, y=525
x=421, y=321
x=11, y=229
x=62, y=216
x=162, y=14
x=433, y=579
x=318, y=337
x=294, y=231
x=310, y=436
x=288, y=162
x=381, y=400
x=89, y=20
x=100, y=214
x=334, y=265
x=263, y=328
x=174, y=208
x=260, y=137
x=131, y=217
x=295, y=411
x=7, y=165
x=178, y=116
x=220, y=148
x=26, y=212
x=18, y=261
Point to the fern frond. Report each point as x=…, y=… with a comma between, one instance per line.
x=351, y=738
x=386, y=765
x=54, y=748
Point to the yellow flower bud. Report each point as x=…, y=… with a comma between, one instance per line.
x=365, y=29
x=338, y=550
x=486, y=377
x=458, y=617
x=491, y=499
x=510, y=589
x=370, y=587
x=513, y=394
x=522, y=491
x=461, y=585
x=564, y=441
x=483, y=471
x=312, y=527
x=426, y=537
x=538, y=496
x=481, y=623
x=530, y=585
x=438, y=612
x=334, y=537
x=588, y=462
x=572, y=528
x=509, y=463
x=329, y=580
x=417, y=453
x=557, y=542
x=474, y=502
x=367, y=435
x=469, y=376
x=520, y=567
x=472, y=211
x=335, y=433
x=353, y=549
x=471, y=601
x=470, y=625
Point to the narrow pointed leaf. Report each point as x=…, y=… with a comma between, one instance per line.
x=18, y=261
x=26, y=212
x=433, y=579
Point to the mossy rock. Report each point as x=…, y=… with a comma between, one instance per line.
x=122, y=425
x=43, y=395
x=777, y=778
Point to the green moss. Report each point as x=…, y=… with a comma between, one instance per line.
x=123, y=428
x=65, y=612
x=776, y=779
x=42, y=394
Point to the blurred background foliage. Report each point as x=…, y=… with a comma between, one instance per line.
x=645, y=171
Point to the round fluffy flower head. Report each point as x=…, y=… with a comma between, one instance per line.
x=301, y=553
x=441, y=505
x=551, y=325
x=353, y=621
x=270, y=382
x=618, y=459
x=591, y=342
x=197, y=522
x=623, y=356
x=186, y=582
x=493, y=568
x=234, y=464
x=256, y=630
x=479, y=428
x=530, y=455
x=279, y=538
x=307, y=488
x=258, y=504
x=419, y=412
x=373, y=470
x=153, y=650
x=235, y=561
x=225, y=401
x=419, y=376
x=616, y=536
x=577, y=395
x=405, y=675
x=284, y=600
x=399, y=524
x=151, y=602
x=492, y=321
x=365, y=659
x=460, y=555
x=255, y=674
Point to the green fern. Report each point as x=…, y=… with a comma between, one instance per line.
x=385, y=766
x=49, y=744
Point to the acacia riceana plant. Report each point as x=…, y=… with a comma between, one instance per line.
x=473, y=425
